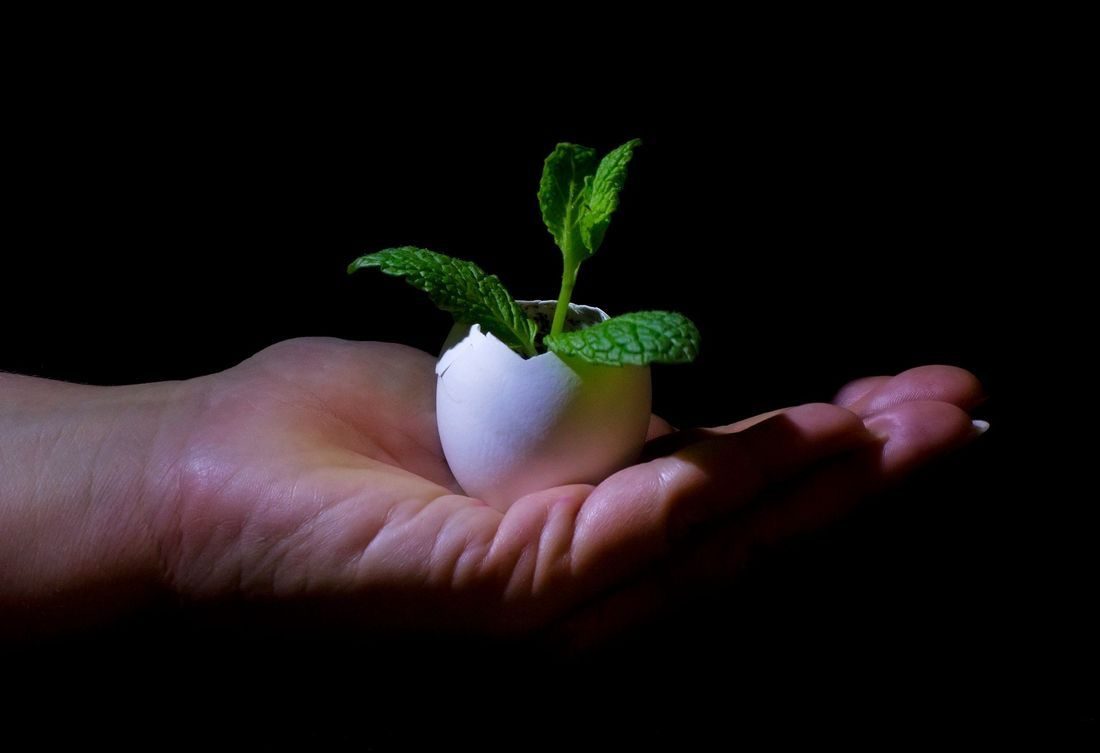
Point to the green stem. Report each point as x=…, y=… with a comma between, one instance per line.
x=568, y=280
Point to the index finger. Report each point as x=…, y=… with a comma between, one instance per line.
x=635, y=515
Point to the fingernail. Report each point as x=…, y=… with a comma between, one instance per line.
x=980, y=427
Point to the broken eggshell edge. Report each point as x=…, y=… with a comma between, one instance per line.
x=511, y=425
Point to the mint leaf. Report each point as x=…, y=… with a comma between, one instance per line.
x=561, y=194
x=640, y=338
x=461, y=288
x=602, y=194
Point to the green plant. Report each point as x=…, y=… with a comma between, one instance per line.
x=577, y=196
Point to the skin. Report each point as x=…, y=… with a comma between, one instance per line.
x=312, y=474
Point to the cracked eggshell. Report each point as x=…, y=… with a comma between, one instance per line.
x=511, y=425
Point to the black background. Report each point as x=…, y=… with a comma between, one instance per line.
x=822, y=215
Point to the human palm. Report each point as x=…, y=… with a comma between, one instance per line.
x=313, y=472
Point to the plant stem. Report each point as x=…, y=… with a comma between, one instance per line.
x=568, y=280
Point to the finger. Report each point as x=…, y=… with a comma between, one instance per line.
x=914, y=434
x=850, y=393
x=918, y=431
x=631, y=517
x=948, y=384
x=862, y=396
x=719, y=556
x=551, y=543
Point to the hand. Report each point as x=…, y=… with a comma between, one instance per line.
x=312, y=473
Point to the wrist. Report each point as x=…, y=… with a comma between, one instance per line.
x=79, y=477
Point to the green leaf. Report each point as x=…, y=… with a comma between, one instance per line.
x=602, y=194
x=561, y=194
x=639, y=339
x=461, y=288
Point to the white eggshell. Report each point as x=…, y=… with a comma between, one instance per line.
x=511, y=425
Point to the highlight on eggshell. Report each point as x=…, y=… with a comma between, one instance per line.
x=510, y=425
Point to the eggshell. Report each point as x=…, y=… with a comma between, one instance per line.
x=511, y=425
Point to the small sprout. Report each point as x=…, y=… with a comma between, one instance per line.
x=577, y=196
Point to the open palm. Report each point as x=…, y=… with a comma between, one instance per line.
x=313, y=472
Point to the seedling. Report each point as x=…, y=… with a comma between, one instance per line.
x=577, y=196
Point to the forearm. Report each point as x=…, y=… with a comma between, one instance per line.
x=76, y=482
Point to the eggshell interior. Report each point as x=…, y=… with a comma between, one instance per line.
x=510, y=426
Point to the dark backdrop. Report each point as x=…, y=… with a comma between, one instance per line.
x=820, y=221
